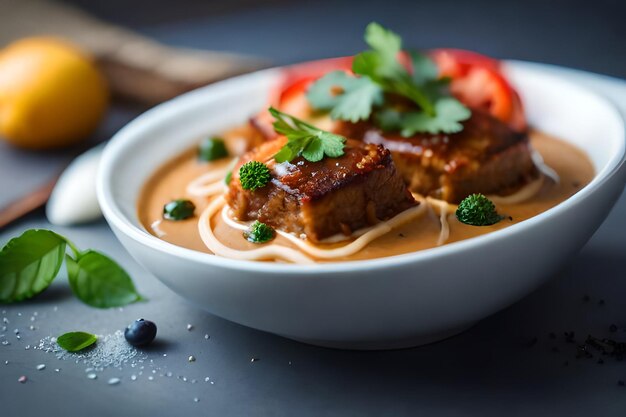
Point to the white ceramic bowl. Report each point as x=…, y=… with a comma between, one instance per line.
x=392, y=302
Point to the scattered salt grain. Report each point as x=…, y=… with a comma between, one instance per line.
x=57, y=370
x=110, y=351
x=113, y=381
x=41, y=367
x=206, y=336
x=92, y=376
x=133, y=377
x=189, y=326
x=151, y=378
x=22, y=379
x=31, y=327
x=196, y=399
x=207, y=379
x=192, y=358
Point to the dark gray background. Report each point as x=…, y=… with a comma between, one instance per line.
x=489, y=370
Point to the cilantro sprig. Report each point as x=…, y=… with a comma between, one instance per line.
x=379, y=79
x=304, y=139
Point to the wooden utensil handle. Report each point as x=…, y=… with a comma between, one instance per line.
x=137, y=67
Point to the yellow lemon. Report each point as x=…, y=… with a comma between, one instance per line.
x=51, y=93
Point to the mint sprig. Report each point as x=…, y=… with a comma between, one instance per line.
x=380, y=79
x=304, y=139
x=30, y=262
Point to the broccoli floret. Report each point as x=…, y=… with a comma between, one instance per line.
x=477, y=210
x=259, y=233
x=253, y=175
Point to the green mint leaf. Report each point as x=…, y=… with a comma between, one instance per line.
x=29, y=263
x=75, y=341
x=99, y=281
x=347, y=97
x=304, y=139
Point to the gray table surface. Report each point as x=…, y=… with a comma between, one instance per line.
x=493, y=369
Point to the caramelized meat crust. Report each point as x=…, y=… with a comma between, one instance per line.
x=485, y=157
x=321, y=199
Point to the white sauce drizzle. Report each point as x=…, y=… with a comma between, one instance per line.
x=544, y=168
x=155, y=226
x=442, y=206
x=366, y=236
x=272, y=251
x=212, y=184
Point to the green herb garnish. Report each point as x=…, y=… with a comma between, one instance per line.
x=259, y=233
x=379, y=80
x=29, y=263
x=99, y=281
x=211, y=149
x=477, y=210
x=346, y=97
x=179, y=209
x=253, y=175
x=304, y=139
x=228, y=177
x=75, y=341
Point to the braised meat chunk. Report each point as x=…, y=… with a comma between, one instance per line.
x=485, y=157
x=324, y=198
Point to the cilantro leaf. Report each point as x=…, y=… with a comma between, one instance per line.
x=353, y=101
x=304, y=139
x=382, y=66
x=449, y=113
x=379, y=78
x=424, y=69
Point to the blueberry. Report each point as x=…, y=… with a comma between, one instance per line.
x=140, y=332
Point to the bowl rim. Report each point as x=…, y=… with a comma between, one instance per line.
x=120, y=221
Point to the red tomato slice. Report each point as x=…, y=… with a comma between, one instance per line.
x=477, y=81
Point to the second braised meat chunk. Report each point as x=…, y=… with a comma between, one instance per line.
x=486, y=157
x=324, y=198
